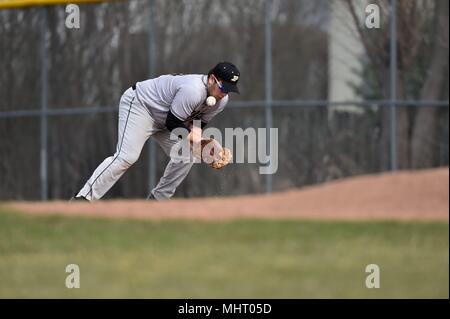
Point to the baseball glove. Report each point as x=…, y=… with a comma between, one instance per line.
x=214, y=159
x=225, y=158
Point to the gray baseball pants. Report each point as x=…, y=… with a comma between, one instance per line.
x=135, y=126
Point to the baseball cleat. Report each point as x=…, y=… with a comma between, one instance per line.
x=79, y=198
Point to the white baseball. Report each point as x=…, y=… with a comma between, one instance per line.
x=211, y=101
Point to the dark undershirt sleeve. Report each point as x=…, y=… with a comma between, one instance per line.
x=172, y=122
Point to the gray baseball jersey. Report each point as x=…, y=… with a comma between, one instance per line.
x=184, y=95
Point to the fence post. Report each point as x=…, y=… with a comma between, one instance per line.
x=268, y=81
x=151, y=72
x=44, y=103
x=393, y=83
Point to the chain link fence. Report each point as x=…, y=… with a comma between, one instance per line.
x=61, y=87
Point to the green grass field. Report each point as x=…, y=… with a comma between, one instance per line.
x=237, y=259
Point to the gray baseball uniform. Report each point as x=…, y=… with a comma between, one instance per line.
x=142, y=113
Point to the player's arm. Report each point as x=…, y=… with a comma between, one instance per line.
x=222, y=156
x=194, y=136
x=181, y=109
x=183, y=105
x=195, y=133
x=173, y=122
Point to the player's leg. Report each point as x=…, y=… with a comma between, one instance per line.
x=176, y=170
x=134, y=127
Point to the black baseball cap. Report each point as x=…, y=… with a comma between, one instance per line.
x=229, y=74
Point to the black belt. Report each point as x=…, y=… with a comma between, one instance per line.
x=134, y=87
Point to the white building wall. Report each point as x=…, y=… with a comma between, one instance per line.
x=345, y=51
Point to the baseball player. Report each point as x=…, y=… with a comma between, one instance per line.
x=154, y=108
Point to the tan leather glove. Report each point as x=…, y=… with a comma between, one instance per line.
x=225, y=158
x=214, y=154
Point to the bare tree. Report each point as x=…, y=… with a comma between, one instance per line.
x=413, y=18
x=435, y=83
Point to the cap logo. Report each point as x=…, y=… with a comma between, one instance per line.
x=234, y=78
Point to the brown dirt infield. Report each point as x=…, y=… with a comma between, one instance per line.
x=405, y=195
